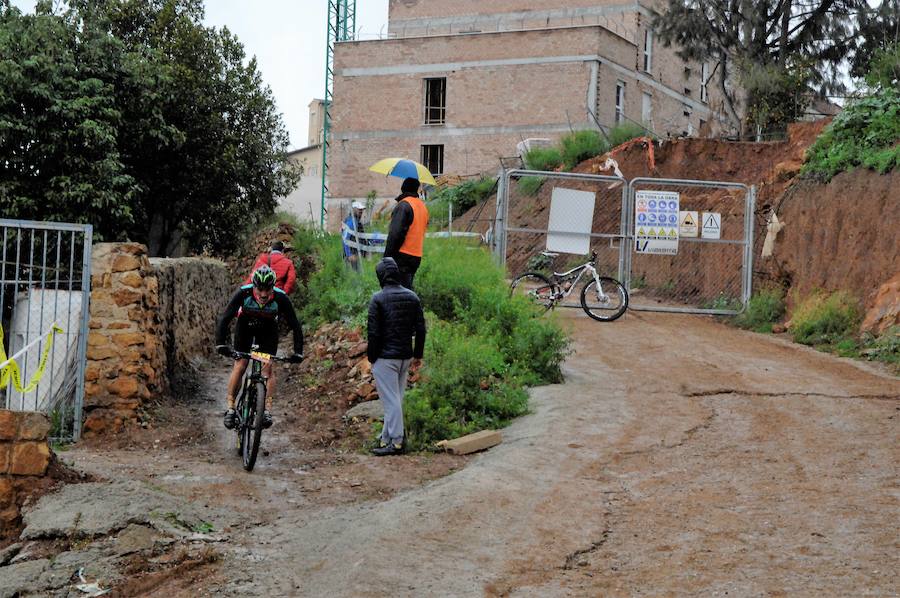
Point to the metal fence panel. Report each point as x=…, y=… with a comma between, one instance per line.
x=523, y=225
x=45, y=279
x=706, y=275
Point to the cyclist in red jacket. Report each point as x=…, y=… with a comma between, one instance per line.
x=285, y=275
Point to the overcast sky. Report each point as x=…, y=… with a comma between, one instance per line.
x=288, y=39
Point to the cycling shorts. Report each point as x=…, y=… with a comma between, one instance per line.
x=251, y=331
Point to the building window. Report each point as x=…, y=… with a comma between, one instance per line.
x=648, y=50
x=433, y=158
x=435, y=101
x=704, y=80
x=620, y=102
x=686, y=108
x=647, y=108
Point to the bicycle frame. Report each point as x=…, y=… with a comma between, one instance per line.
x=561, y=277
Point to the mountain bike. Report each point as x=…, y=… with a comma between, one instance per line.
x=251, y=405
x=602, y=304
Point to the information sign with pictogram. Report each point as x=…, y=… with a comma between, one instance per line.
x=656, y=222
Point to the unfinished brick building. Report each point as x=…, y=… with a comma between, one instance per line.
x=458, y=83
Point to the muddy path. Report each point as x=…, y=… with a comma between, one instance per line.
x=680, y=457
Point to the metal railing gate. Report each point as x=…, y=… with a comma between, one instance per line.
x=697, y=256
x=45, y=281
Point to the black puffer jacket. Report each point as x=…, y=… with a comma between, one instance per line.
x=395, y=317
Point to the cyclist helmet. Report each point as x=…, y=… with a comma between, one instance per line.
x=264, y=277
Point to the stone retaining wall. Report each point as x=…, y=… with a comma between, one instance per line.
x=24, y=457
x=147, y=321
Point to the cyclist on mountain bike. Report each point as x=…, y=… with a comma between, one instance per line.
x=258, y=306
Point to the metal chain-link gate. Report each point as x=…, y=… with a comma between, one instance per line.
x=569, y=214
x=677, y=245
x=712, y=223
x=45, y=279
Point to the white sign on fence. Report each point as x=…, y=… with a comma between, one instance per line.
x=688, y=224
x=571, y=221
x=712, y=225
x=656, y=222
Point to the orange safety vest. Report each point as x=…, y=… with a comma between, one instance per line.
x=415, y=236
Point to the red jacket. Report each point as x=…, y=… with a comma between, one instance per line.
x=285, y=275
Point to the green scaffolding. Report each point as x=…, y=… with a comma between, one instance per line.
x=341, y=28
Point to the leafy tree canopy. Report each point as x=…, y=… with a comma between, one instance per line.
x=134, y=117
x=776, y=49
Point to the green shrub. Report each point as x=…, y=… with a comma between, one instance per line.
x=884, y=348
x=465, y=388
x=335, y=292
x=466, y=194
x=823, y=319
x=530, y=185
x=483, y=346
x=621, y=133
x=764, y=309
x=451, y=272
x=542, y=158
x=866, y=133
x=579, y=146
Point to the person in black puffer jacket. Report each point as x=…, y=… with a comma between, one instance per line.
x=395, y=318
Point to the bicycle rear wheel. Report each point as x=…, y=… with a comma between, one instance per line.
x=536, y=287
x=252, y=432
x=606, y=303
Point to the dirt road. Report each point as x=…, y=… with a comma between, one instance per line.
x=680, y=457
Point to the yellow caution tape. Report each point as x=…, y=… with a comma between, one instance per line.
x=11, y=370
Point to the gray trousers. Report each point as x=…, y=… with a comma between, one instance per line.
x=390, y=381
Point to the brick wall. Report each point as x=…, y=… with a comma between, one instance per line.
x=24, y=457
x=147, y=321
x=379, y=96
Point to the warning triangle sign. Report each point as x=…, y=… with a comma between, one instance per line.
x=688, y=220
x=672, y=233
x=652, y=233
x=641, y=232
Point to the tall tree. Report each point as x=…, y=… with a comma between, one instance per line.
x=195, y=149
x=879, y=32
x=768, y=44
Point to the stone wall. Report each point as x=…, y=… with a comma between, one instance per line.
x=124, y=356
x=192, y=293
x=147, y=321
x=24, y=458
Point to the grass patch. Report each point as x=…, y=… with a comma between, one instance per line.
x=462, y=197
x=543, y=158
x=483, y=347
x=825, y=319
x=764, y=309
x=884, y=348
x=866, y=133
x=625, y=132
x=578, y=146
x=530, y=185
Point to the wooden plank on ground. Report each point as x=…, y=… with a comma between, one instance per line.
x=472, y=442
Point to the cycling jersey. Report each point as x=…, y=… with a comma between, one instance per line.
x=259, y=321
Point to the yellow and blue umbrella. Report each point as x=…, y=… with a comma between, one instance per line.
x=404, y=169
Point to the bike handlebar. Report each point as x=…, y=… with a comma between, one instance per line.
x=241, y=355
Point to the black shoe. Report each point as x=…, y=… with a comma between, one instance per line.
x=229, y=418
x=267, y=420
x=387, y=450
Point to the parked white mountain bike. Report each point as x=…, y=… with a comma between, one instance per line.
x=602, y=298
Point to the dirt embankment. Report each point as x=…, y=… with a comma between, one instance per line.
x=841, y=235
x=838, y=235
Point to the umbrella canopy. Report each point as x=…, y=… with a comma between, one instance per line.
x=404, y=169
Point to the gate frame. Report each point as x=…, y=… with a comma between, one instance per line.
x=503, y=210
x=746, y=242
x=87, y=230
x=626, y=230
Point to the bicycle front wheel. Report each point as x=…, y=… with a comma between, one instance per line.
x=534, y=286
x=254, y=426
x=604, y=303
